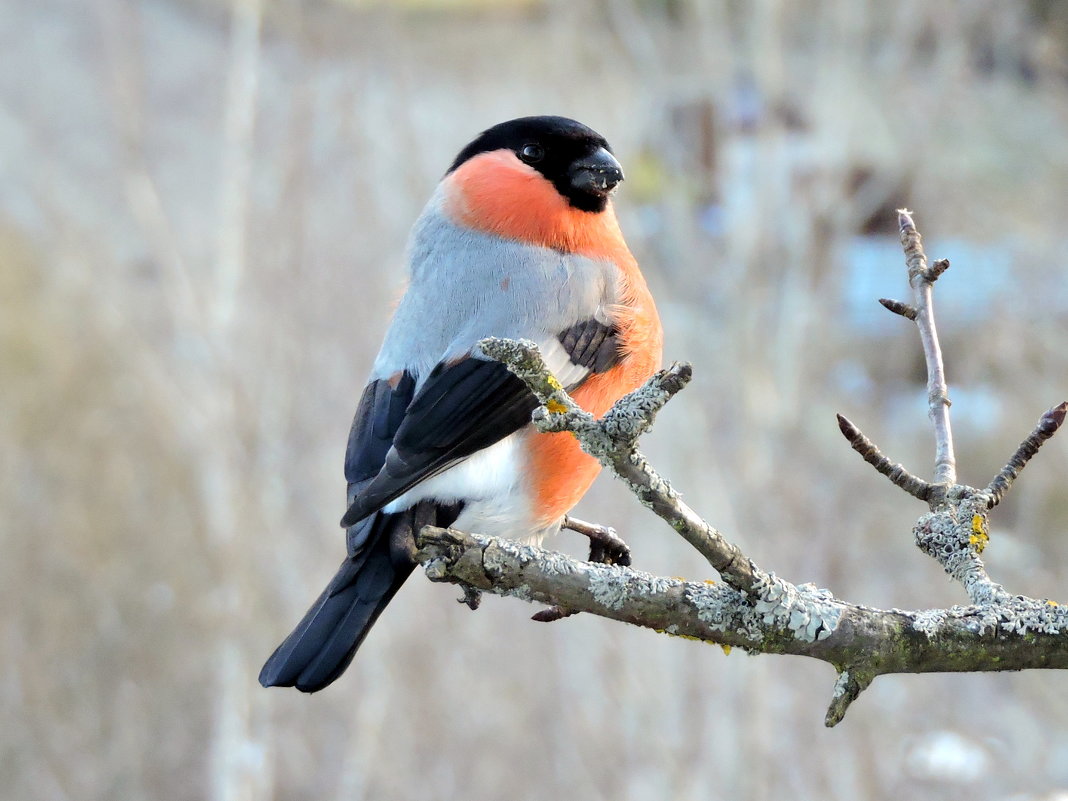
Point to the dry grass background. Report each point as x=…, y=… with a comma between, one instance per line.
x=203, y=209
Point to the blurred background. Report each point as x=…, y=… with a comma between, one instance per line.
x=203, y=211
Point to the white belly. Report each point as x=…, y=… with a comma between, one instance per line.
x=493, y=486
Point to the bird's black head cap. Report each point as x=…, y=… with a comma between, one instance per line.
x=574, y=158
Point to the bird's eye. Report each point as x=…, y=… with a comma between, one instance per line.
x=532, y=153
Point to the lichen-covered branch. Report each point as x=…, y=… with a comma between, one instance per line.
x=954, y=535
x=753, y=609
x=860, y=642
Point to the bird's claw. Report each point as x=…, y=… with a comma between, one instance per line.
x=472, y=597
x=606, y=547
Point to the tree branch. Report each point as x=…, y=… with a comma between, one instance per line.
x=864, y=642
x=921, y=279
x=753, y=609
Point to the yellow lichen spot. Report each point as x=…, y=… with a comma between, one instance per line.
x=555, y=406
x=710, y=581
x=979, y=537
x=556, y=385
x=680, y=636
x=726, y=650
x=1052, y=603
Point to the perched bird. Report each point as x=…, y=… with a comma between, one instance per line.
x=519, y=240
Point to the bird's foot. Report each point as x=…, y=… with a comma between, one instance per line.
x=606, y=548
x=605, y=545
x=472, y=597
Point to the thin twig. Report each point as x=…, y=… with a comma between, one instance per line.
x=897, y=307
x=955, y=531
x=1047, y=426
x=921, y=278
x=612, y=441
x=898, y=475
x=850, y=684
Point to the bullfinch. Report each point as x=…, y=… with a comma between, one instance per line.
x=519, y=240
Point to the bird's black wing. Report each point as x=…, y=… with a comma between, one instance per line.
x=463, y=407
x=378, y=416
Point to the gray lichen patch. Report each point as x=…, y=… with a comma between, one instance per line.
x=1018, y=615
x=841, y=684
x=611, y=587
x=521, y=356
x=724, y=609
x=806, y=611
x=929, y=621
x=1025, y=616
x=595, y=441
x=633, y=415
x=556, y=564
x=657, y=486
x=502, y=555
x=580, y=423
x=954, y=535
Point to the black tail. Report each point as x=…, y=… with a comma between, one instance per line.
x=324, y=642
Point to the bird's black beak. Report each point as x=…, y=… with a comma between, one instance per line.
x=597, y=174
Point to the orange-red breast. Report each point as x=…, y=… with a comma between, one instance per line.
x=519, y=240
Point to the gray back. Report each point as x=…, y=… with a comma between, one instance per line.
x=466, y=285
